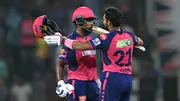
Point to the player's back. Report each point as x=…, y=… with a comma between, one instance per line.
x=119, y=53
x=117, y=49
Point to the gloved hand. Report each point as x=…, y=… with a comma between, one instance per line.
x=50, y=27
x=63, y=89
x=69, y=87
x=53, y=40
x=53, y=26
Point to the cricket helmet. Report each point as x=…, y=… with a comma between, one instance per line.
x=38, y=22
x=84, y=12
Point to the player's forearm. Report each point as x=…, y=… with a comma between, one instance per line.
x=77, y=45
x=60, y=70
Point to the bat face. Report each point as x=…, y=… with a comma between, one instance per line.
x=98, y=30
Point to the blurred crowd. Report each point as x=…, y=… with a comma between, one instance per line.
x=27, y=64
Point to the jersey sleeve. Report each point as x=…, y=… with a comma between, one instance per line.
x=134, y=39
x=63, y=54
x=100, y=42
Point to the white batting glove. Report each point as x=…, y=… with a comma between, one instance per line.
x=69, y=88
x=53, y=40
x=63, y=89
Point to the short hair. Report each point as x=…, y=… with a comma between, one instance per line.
x=114, y=15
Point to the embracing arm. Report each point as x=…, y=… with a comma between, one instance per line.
x=77, y=45
x=98, y=30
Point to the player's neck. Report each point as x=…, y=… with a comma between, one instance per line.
x=114, y=28
x=81, y=33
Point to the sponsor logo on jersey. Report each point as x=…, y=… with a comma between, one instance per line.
x=103, y=37
x=123, y=43
x=96, y=41
x=88, y=52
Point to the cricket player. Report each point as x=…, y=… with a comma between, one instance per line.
x=82, y=71
x=117, y=50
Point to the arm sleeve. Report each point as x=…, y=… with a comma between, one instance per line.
x=100, y=42
x=134, y=39
x=63, y=54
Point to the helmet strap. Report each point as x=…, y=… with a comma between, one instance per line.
x=80, y=21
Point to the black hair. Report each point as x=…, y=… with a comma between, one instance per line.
x=114, y=15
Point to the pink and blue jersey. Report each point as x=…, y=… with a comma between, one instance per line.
x=117, y=49
x=81, y=64
x=82, y=71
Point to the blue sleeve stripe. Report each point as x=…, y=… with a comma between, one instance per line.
x=92, y=44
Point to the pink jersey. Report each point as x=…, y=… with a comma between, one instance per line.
x=81, y=64
x=117, y=49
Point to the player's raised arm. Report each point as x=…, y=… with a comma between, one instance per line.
x=77, y=45
x=95, y=43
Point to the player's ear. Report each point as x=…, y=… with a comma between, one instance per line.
x=76, y=24
x=109, y=23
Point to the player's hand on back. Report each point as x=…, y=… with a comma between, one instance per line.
x=63, y=90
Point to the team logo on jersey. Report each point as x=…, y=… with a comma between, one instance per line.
x=103, y=37
x=123, y=43
x=63, y=53
x=96, y=41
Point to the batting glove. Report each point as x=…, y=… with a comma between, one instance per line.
x=63, y=89
x=53, y=40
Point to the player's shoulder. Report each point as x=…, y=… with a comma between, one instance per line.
x=72, y=35
x=104, y=36
x=128, y=32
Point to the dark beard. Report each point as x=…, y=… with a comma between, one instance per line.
x=86, y=31
x=106, y=28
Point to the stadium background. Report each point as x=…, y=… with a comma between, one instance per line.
x=27, y=64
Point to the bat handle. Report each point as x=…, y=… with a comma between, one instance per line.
x=141, y=48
